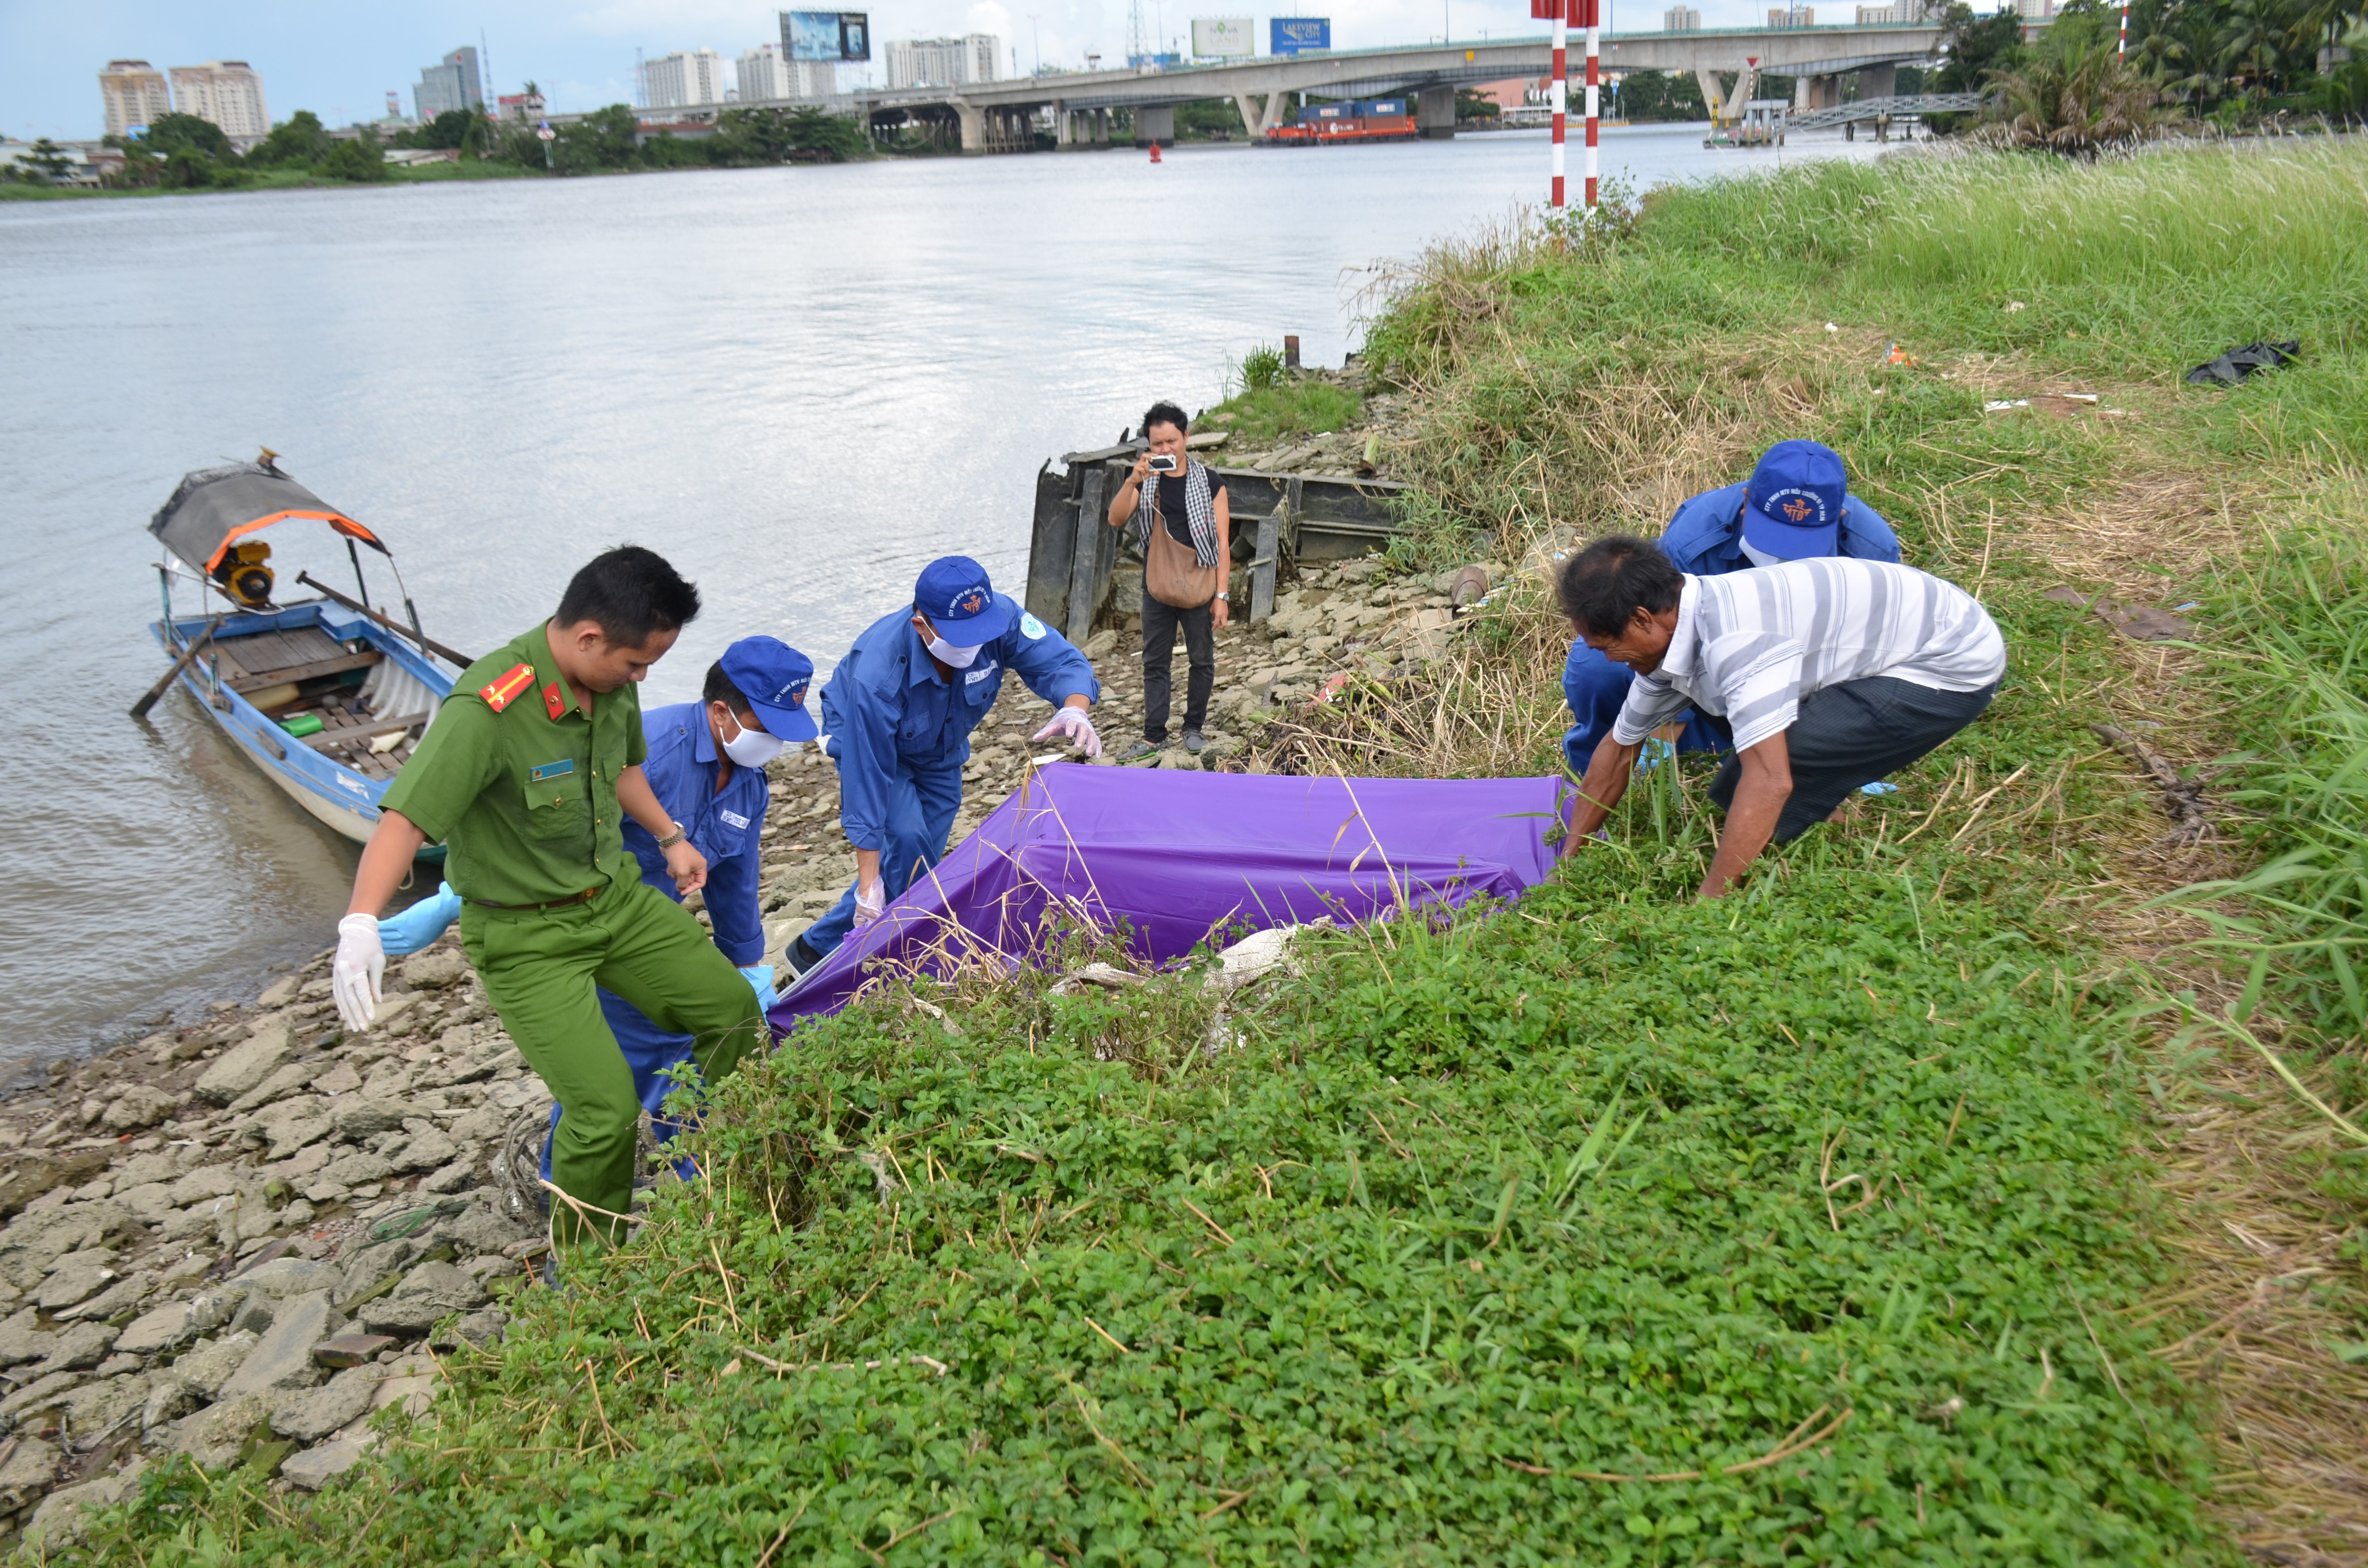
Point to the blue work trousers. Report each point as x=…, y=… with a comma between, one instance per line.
x=653, y=1054
x=1596, y=687
x=922, y=801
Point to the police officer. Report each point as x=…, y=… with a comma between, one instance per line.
x=898, y=717
x=527, y=775
x=1795, y=505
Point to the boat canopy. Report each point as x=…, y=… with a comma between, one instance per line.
x=212, y=508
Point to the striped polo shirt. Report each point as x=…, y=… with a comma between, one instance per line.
x=1749, y=645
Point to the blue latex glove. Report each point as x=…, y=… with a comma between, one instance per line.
x=421, y=924
x=760, y=975
x=1878, y=787
x=1657, y=751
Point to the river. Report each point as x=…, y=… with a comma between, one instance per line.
x=799, y=384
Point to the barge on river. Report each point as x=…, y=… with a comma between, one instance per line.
x=326, y=695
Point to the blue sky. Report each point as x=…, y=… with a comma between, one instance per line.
x=341, y=60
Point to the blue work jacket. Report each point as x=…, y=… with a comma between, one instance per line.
x=682, y=771
x=886, y=712
x=1705, y=537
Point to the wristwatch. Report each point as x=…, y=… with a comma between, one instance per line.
x=1220, y=593
x=671, y=839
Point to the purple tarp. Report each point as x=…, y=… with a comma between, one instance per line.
x=1175, y=855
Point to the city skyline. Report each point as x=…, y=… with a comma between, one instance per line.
x=343, y=69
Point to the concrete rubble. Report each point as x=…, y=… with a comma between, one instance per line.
x=240, y=1238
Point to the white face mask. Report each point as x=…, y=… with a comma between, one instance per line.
x=752, y=748
x=1759, y=557
x=946, y=652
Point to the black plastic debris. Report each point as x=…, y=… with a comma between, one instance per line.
x=2239, y=363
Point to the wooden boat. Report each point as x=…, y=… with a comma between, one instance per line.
x=326, y=695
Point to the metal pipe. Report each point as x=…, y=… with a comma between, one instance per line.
x=396, y=627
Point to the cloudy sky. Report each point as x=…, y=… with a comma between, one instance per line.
x=341, y=60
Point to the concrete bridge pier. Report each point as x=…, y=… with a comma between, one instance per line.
x=1816, y=92
x=974, y=128
x=1102, y=128
x=1434, y=114
x=1878, y=81
x=1261, y=115
x=1155, y=124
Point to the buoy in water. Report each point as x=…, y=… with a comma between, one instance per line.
x=1154, y=152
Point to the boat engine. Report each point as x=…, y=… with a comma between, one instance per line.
x=243, y=574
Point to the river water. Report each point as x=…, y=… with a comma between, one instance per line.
x=800, y=384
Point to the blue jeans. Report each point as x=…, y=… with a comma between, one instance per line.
x=1595, y=687
x=922, y=802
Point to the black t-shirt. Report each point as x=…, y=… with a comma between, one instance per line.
x=1171, y=504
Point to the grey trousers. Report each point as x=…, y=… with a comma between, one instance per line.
x=1851, y=734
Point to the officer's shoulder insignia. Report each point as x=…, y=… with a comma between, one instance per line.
x=503, y=688
x=1033, y=627
x=552, y=703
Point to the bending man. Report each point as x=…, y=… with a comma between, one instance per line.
x=527, y=775
x=1796, y=507
x=898, y=714
x=1822, y=675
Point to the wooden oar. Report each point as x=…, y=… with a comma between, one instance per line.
x=405, y=632
x=140, y=708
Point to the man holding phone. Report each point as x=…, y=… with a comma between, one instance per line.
x=1186, y=556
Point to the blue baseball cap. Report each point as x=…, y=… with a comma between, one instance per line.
x=955, y=594
x=773, y=676
x=1793, y=507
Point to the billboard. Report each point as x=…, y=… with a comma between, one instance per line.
x=1218, y=38
x=827, y=37
x=1299, y=35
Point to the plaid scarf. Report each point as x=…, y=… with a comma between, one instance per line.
x=1200, y=510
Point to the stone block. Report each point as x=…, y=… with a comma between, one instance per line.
x=209, y=1366
x=84, y=1344
x=435, y=969
x=151, y=1203
x=426, y=1149
x=315, y=1468
x=214, y=1438
x=345, y=1350
x=284, y=1081
x=72, y=1282
x=141, y=1105
x=354, y=1170
x=117, y=1297
x=39, y=1394
x=282, y=1358
x=21, y=1339
x=290, y=1276
x=96, y=1407
x=204, y=1182
x=29, y=1467
x=169, y=1399
x=249, y=1062
x=307, y=1415
x=160, y=1328
x=443, y=1282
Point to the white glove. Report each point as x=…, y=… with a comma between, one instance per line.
x=870, y=901
x=356, y=973
x=1072, y=722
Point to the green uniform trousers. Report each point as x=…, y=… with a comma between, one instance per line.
x=540, y=968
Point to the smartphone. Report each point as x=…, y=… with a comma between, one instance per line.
x=1163, y=464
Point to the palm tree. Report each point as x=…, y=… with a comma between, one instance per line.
x=2252, y=41
x=2077, y=103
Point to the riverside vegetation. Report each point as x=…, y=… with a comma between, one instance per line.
x=1915, y=1204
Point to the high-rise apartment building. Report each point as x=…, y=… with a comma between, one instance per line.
x=1682, y=20
x=453, y=84
x=766, y=74
x=944, y=62
x=1791, y=17
x=684, y=78
x=226, y=92
x=1905, y=13
x=134, y=93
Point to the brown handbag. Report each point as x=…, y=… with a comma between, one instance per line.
x=1172, y=573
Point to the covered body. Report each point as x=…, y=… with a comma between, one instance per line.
x=1178, y=857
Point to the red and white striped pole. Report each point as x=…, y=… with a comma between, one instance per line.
x=1561, y=87
x=2123, y=54
x=1594, y=9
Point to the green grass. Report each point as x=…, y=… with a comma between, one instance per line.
x=1283, y=410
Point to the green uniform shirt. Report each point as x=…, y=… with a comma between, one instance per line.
x=524, y=803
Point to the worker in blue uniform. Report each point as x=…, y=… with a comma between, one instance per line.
x=1796, y=507
x=706, y=764
x=897, y=716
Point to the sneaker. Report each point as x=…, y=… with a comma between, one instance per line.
x=1194, y=741
x=1140, y=750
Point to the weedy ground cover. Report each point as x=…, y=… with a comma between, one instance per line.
x=1867, y=1217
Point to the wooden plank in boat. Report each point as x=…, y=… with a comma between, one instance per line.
x=329, y=667
x=267, y=653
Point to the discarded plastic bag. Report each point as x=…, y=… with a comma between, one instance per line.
x=2239, y=363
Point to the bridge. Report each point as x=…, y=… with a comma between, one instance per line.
x=1000, y=116
x=1882, y=109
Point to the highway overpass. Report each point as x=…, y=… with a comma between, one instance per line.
x=1000, y=116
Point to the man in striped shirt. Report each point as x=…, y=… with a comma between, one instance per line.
x=1826, y=674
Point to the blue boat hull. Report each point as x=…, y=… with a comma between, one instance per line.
x=333, y=792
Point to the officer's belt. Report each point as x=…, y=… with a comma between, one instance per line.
x=584, y=897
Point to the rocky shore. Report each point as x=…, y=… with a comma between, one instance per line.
x=239, y=1239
